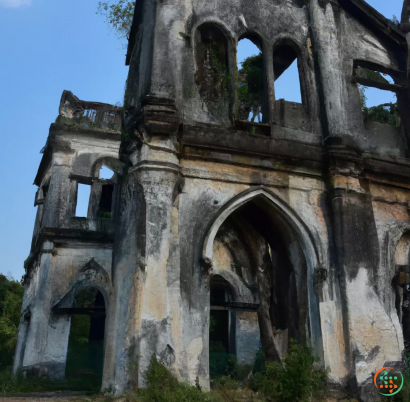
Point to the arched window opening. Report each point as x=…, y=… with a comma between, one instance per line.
x=85, y=354
x=401, y=285
x=250, y=79
x=286, y=73
x=213, y=77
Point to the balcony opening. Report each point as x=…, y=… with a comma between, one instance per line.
x=286, y=72
x=83, y=200
x=250, y=79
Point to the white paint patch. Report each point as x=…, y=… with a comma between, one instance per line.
x=374, y=337
x=194, y=354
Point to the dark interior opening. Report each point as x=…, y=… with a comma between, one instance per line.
x=85, y=354
x=105, y=205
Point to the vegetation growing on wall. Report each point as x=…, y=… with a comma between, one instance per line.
x=119, y=15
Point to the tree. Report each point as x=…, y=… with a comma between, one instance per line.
x=11, y=298
x=251, y=87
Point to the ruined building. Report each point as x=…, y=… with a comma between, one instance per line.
x=296, y=226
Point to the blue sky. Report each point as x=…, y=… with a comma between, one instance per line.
x=47, y=46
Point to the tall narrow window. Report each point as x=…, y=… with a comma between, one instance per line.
x=250, y=80
x=106, y=176
x=287, y=81
x=83, y=199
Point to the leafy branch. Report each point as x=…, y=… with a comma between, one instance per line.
x=118, y=14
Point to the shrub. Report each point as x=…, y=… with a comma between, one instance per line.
x=296, y=380
x=163, y=386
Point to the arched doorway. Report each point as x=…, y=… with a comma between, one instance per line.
x=260, y=248
x=85, y=354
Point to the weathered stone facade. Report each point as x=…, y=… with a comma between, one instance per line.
x=300, y=223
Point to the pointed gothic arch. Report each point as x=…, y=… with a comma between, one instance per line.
x=295, y=230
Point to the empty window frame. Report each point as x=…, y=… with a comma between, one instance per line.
x=251, y=91
x=287, y=75
x=83, y=200
x=378, y=93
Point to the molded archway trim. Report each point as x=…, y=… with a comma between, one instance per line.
x=91, y=275
x=310, y=250
x=305, y=237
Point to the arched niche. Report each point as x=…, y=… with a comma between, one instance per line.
x=214, y=73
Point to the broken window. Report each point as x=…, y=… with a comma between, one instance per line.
x=250, y=79
x=86, y=341
x=286, y=73
x=378, y=100
x=213, y=75
x=83, y=200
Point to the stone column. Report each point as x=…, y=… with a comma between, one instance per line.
x=139, y=324
x=370, y=337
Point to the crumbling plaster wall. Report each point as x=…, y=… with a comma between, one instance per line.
x=176, y=23
x=203, y=197
x=339, y=39
x=56, y=259
x=57, y=270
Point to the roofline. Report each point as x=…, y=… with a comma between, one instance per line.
x=378, y=21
